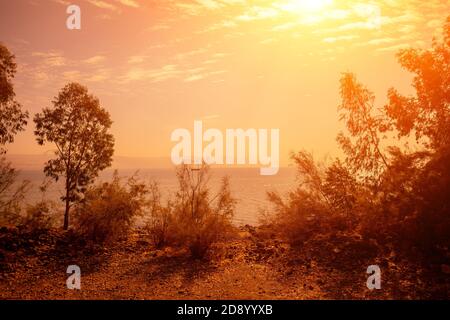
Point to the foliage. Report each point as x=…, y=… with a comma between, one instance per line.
x=425, y=115
x=193, y=218
x=12, y=118
x=160, y=217
x=325, y=202
x=388, y=194
x=108, y=210
x=39, y=216
x=363, y=155
x=78, y=126
x=11, y=195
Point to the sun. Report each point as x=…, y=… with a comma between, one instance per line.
x=306, y=5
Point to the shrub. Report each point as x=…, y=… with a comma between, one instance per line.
x=107, y=211
x=201, y=220
x=325, y=202
x=10, y=195
x=193, y=218
x=411, y=211
x=39, y=217
x=160, y=217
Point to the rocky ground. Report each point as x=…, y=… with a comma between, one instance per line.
x=250, y=266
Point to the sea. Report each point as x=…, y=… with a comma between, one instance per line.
x=248, y=187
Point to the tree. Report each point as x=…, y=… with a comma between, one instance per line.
x=78, y=126
x=364, y=154
x=12, y=118
x=427, y=114
x=410, y=198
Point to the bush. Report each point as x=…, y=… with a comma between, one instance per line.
x=193, y=218
x=326, y=202
x=107, y=210
x=406, y=211
x=39, y=217
x=200, y=219
x=411, y=210
x=10, y=195
x=160, y=218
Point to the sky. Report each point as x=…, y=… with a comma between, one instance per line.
x=159, y=65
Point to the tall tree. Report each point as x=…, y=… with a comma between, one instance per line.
x=364, y=125
x=427, y=113
x=12, y=121
x=12, y=118
x=79, y=128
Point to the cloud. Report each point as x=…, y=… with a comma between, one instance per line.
x=159, y=27
x=165, y=72
x=210, y=4
x=194, y=77
x=435, y=23
x=395, y=47
x=220, y=25
x=63, y=2
x=337, y=14
x=94, y=60
x=168, y=72
x=41, y=76
x=51, y=58
x=210, y=117
x=103, y=5
x=195, y=7
x=285, y=26
x=137, y=59
x=340, y=38
x=221, y=55
x=268, y=41
x=357, y=25
x=71, y=75
x=108, y=5
x=380, y=41
x=129, y=3
x=191, y=53
x=204, y=75
x=99, y=75
x=258, y=13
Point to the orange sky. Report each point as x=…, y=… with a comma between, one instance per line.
x=160, y=65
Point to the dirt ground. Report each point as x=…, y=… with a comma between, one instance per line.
x=245, y=268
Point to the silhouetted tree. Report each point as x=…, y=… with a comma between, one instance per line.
x=79, y=128
x=12, y=121
x=427, y=114
x=393, y=194
x=364, y=153
x=12, y=118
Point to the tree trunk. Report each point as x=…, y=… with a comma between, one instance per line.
x=66, y=213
